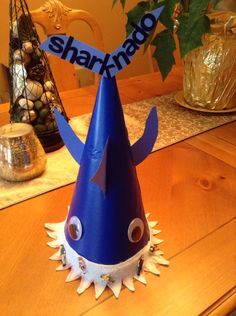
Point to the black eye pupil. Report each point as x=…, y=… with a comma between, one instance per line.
x=135, y=230
x=136, y=234
x=73, y=231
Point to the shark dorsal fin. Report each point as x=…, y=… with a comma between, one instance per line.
x=70, y=139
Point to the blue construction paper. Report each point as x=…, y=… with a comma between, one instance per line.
x=70, y=139
x=105, y=219
x=100, y=178
x=105, y=64
x=143, y=147
x=81, y=47
x=107, y=196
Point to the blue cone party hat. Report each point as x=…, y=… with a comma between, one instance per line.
x=106, y=238
x=107, y=197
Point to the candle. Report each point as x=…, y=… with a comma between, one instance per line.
x=15, y=130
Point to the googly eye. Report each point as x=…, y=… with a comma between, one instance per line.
x=135, y=230
x=74, y=228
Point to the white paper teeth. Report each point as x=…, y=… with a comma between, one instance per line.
x=161, y=260
x=153, y=224
x=155, y=231
x=53, y=226
x=62, y=268
x=52, y=235
x=56, y=256
x=99, y=289
x=158, y=253
x=72, y=276
x=54, y=244
x=156, y=241
x=129, y=283
x=152, y=268
x=151, y=259
x=84, y=284
x=115, y=287
x=147, y=215
x=141, y=278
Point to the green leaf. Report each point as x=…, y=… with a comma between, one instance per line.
x=166, y=16
x=197, y=8
x=191, y=37
x=192, y=26
x=165, y=46
x=154, y=4
x=121, y=1
x=114, y=2
x=135, y=14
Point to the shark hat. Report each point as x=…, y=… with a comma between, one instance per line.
x=106, y=239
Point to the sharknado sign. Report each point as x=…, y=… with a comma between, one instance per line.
x=105, y=64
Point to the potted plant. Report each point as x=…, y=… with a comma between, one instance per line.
x=190, y=23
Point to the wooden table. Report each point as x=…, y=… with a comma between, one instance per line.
x=189, y=187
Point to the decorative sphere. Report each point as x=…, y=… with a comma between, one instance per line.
x=33, y=90
x=20, y=56
x=38, y=105
x=28, y=47
x=49, y=86
x=29, y=116
x=46, y=97
x=26, y=104
x=44, y=113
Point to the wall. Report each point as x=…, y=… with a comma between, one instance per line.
x=111, y=21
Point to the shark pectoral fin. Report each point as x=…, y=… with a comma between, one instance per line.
x=72, y=142
x=143, y=147
x=100, y=177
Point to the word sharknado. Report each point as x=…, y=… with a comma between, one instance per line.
x=107, y=65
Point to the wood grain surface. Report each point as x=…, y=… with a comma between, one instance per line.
x=190, y=187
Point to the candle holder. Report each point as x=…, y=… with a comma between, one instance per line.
x=33, y=92
x=22, y=156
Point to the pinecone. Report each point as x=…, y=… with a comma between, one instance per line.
x=37, y=72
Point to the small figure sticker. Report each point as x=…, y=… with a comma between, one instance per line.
x=82, y=265
x=63, y=255
x=152, y=248
x=107, y=278
x=140, y=266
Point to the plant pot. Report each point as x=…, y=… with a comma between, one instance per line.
x=210, y=71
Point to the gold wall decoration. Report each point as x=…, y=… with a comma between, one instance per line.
x=56, y=11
